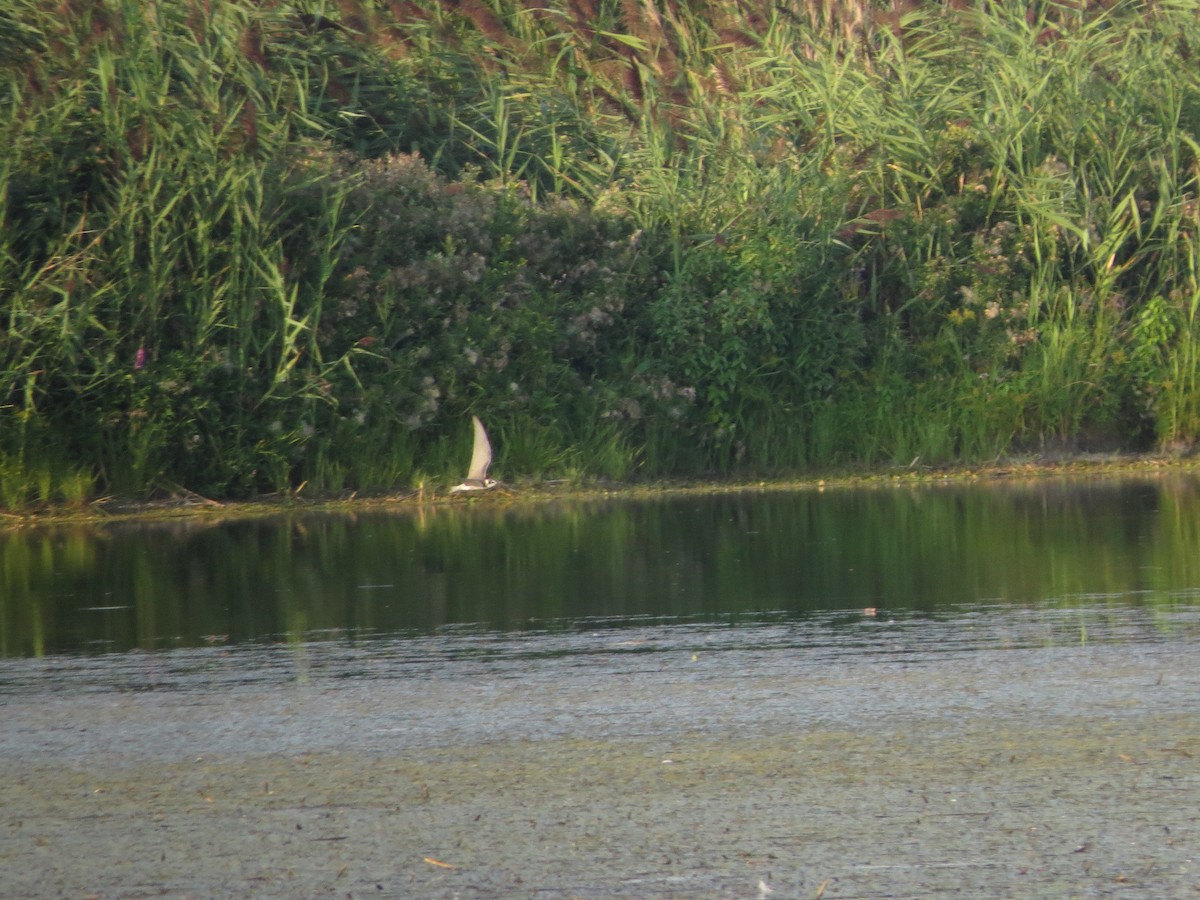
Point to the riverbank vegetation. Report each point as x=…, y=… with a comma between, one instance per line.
x=249, y=247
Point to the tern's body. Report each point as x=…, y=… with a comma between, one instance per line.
x=481, y=458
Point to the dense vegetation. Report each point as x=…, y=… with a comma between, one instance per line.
x=246, y=247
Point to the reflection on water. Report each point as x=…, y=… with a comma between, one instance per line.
x=754, y=558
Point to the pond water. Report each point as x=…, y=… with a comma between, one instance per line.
x=982, y=690
x=465, y=572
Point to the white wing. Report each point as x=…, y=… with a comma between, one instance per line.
x=481, y=456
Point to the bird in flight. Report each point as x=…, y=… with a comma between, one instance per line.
x=481, y=458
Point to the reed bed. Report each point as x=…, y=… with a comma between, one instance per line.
x=260, y=247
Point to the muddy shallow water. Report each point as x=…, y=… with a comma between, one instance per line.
x=994, y=751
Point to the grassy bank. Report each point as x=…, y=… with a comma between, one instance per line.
x=246, y=247
x=529, y=495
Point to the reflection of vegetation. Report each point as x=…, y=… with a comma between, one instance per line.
x=246, y=246
x=706, y=557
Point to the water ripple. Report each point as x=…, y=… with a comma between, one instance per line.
x=615, y=646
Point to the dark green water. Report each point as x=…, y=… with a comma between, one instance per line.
x=733, y=558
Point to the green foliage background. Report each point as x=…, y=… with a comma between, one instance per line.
x=246, y=247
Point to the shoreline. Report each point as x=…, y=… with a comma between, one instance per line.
x=189, y=505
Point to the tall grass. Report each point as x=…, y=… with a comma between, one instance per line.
x=249, y=247
x=154, y=310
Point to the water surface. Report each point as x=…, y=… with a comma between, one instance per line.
x=749, y=558
x=987, y=691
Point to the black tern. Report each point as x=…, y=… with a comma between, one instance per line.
x=481, y=458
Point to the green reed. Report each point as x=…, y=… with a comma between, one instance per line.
x=657, y=239
x=162, y=314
